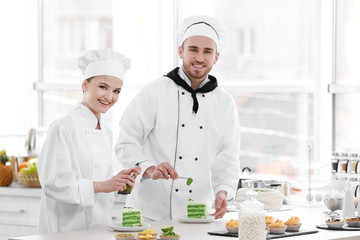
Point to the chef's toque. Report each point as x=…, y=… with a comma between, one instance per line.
x=202, y=25
x=103, y=62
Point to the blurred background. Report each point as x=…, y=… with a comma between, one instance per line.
x=291, y=66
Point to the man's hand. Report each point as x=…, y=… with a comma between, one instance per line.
x=220, y=204
x=162, y=171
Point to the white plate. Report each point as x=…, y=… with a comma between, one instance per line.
x=209, y=219
x=128, y=229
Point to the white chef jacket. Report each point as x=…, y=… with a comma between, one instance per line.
x=159, y=126
x=73, y=156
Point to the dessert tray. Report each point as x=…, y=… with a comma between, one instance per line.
x=209, y=219
x=269, y=235
x=343, y=228
x=121, y=228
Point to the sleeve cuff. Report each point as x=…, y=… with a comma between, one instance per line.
x=144, y=165
x=86, y=190
x=230, y=191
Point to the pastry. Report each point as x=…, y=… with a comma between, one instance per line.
x=124, y=236
x=232, y=226
x=335, y=222
x=269, y=220
x=277, y=227
x=293, y=224
x=196, y=209
x=132, y=217
x=148, y=232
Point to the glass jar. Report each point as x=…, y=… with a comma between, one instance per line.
x=353, y=163
x=334, y=162
x=344, y=160
x=251, y=219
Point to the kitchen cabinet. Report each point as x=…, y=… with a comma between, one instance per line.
x=20, y=206
x=19, y=210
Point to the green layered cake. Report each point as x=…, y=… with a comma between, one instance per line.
x=196, y=209
x=131, y=217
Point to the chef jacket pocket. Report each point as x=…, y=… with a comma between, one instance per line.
x=71, y=217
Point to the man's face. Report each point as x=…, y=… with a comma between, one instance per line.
x=199, y=55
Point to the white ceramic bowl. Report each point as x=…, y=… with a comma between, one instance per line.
x=232, y=229
x=335, y=224
x=293, y=228
x=352, y=223
x=277, y=230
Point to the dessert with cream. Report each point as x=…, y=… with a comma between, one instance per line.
x=148, y=232
x=277, y=227
x=269, y=220
x=232, y=226
x=293, y=224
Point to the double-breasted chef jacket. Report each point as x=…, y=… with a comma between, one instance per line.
x=159, y=125
x=73, y=156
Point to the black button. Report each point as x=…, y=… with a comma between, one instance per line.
x=183, y=125
x=183, y=93
x=190, y=191
x=200, y=127
x=176, y=190
x=196, y=159
x=203, y=95
x=180, y=157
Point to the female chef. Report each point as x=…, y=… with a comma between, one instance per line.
x=75, y=165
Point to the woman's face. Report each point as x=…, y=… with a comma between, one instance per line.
x=101, y=93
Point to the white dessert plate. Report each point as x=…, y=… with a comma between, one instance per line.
x=209, y=219
x=128, y=229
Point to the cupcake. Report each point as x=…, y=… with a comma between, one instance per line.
x=335, y=223
x=124, y=236
x=293, y=224
x=277, y=227
x=232, y=226
x=148, y=232
x=269, y=220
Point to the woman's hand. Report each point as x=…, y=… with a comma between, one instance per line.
x=118, y=182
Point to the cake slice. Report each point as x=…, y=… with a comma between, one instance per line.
x=196, y=209
x=132, y=217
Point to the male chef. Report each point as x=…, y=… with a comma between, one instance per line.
x=182, y=126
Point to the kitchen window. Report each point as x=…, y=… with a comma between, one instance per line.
x=271, y=65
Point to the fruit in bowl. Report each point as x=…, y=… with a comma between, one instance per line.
x=335, y=223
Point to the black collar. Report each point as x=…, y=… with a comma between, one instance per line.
x=208, y=87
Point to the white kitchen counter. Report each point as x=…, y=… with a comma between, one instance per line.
x=310, y=216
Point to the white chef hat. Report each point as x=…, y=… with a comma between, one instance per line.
x=202, y=25
x=103, y=62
